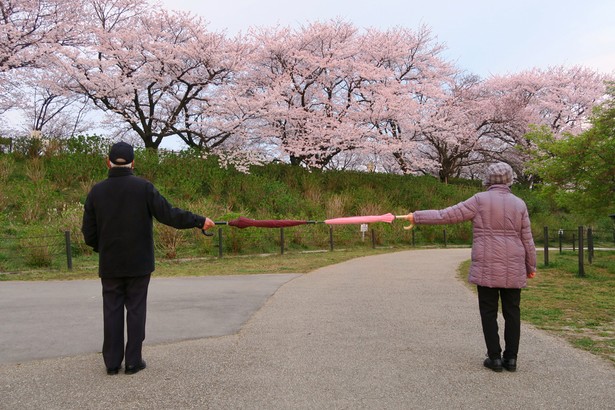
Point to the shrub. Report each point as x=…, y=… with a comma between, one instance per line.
x=7, y=166
x=28, y=147
x=168, y=240
x=39, y=257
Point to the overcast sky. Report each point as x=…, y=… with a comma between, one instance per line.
x=483, y=37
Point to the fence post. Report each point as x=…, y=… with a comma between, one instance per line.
x=444, y=231
x=331, y=238
x=574, y=243
x=69, y=256
x=590, y=245
x=546, y=241
x=281, y=241
x=581, y=267
x=413, y=238
x=219, y=242
x=373, y=239
x=561, y=239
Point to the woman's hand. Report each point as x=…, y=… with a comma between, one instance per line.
x=409, y=218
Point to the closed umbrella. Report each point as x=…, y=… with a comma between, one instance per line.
x=242, y=222
x=361, y=219
x=388, y=218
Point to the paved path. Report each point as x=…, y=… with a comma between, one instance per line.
x=64, y=318
x=394, y=331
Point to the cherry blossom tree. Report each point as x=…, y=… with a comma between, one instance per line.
x=330, y=89
x=44, y=105
x=478, y=121
x=450, y=139
x=155, y=71
x=305, y=81
x=557, y=97
x=30, y=30
x=409, y=83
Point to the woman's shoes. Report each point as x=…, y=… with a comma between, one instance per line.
x=497, y=365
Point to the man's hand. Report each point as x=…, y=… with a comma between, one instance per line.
x=208, y=224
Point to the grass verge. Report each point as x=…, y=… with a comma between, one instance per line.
x=244, y=265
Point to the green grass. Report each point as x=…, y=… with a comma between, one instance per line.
x=272, y=263
x=579, y=309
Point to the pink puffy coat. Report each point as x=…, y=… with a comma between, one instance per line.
x=503, y=250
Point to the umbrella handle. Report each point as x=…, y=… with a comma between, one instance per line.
x=407, y=228
x=207, y=233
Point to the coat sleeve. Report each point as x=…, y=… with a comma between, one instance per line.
x=528, y=243
x=463, y=211
x=89, y=227
x=165, y=213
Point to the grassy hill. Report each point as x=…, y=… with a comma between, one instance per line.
x=42, y=195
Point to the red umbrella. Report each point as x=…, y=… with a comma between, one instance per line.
x=242, y=222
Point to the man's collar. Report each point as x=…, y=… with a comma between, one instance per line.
x=120, y=172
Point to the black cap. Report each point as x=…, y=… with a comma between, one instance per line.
x=121, y=153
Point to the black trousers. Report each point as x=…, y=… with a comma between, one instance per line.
x=488, y=299
x=120, y=293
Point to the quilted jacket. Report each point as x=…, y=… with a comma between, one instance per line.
x=503, y=250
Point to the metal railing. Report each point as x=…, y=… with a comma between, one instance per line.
x=580, y=239
x=36, y=251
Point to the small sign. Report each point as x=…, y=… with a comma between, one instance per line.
x=363, y=227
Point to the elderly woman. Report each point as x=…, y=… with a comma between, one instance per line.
x=503, y=257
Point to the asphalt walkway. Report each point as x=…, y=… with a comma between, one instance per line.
x=395, y=331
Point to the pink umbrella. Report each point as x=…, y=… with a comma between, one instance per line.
x=361, y=219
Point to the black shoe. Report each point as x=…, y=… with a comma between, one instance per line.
x=134, y=369
x=113, y=370
x=494, y=364
x=510, y=364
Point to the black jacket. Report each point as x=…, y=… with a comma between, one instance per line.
x=117, y=223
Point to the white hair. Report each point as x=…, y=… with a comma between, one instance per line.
x=114, y=165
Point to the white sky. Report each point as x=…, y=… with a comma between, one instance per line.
x=482, y=36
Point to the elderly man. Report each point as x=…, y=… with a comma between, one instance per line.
x=118, y=224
